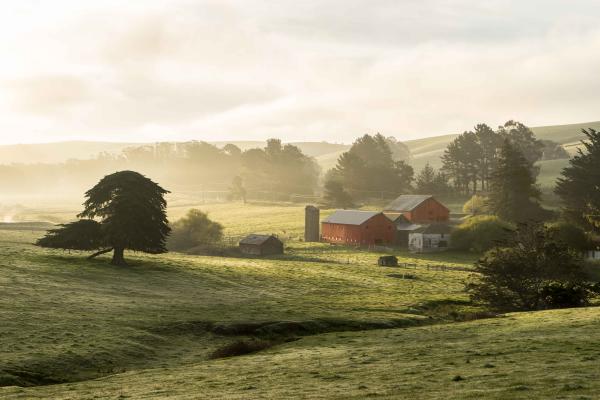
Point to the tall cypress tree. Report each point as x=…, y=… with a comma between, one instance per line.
x=131, y=210
x=513, y=194
x=579, y=186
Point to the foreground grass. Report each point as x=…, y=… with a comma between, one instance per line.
x=542, y=355
x=65, y=318
x=85, y=329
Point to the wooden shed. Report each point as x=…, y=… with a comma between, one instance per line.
x=261, y=245
x=419, y=208
x=359, y=228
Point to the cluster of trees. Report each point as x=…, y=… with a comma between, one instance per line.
x=373, y=166
x=536, y=265
x=184, y=166
x=470, y=159
x=279, y=168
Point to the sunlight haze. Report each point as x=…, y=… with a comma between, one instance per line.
x=303, y=71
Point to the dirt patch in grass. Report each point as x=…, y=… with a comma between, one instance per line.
x=241, y=347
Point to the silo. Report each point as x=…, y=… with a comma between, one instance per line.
x=311, y=224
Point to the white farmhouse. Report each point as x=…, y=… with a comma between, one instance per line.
x=429, y=238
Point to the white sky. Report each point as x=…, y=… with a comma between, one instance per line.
x=153, y=70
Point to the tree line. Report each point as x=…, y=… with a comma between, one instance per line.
x=184, y=166
x=470, y=159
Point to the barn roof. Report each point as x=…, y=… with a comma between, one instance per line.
x=396, y=217
x=350, y=217
x=407, y=202
x=256, y=240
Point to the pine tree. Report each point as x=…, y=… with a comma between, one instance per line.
x=131, y=213
x=335, y=195
x=513, y=194
x=579, y=186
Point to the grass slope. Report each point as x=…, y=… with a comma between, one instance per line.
x=67, y=319
x=541, y=355
x=85, y=329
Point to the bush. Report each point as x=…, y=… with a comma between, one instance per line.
x=476, y=205
x=480, y=233
x=194, y=230
x=563, y=295
x=570, y=235
x=532, y=272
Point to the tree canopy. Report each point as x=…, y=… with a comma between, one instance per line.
x=369, y=168
x=125, y=210
x=529, y=272
x=430, y=181
x=513, y=194
x=470, y=159
x=193, y=230
x=579, y=185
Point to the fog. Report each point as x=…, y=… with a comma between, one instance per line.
x=232, y=70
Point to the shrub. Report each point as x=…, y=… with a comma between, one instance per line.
x=569, y=234
x=530, y=273
x=193, y=230
x=480, y=233
x=563, y=295
x=476, y=205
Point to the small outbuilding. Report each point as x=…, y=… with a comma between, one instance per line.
x=419, y=208
x=430, y=238
x=403, y=228
x=387, y=261
x=359, y=228
x=261, y=245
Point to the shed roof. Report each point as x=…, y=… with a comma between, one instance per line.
x=408, y=227
x=350, y=217
x=435, y=229
x=257, y=240
x=407, y=202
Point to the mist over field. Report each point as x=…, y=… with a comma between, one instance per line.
x=342, y=199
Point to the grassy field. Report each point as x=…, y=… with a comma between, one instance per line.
x=543, y=355
x=73, y=328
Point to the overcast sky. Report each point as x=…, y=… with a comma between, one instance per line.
x=152, y=70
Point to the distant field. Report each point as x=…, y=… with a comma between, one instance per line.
x=73, y=328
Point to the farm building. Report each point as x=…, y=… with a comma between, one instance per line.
x=403, y=228
x=360, y=228
x=429, y=238
x=418, y=208
x=261, y=245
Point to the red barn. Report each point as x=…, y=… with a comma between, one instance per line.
x=361, y=228
x=418, y=208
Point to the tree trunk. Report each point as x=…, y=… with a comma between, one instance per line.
x=118, y=257
x=99, y=253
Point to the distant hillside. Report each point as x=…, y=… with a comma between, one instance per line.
x=426, y=150
x=62, y=151
x=429, y=150
x=57, y=152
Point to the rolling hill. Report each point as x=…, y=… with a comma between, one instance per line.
x=425, y=150
x=330, y=323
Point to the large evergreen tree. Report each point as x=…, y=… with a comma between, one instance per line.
x=513, y=194
x=430, y=181
x=579, y=186
x=369, y=168
x=125, y=210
